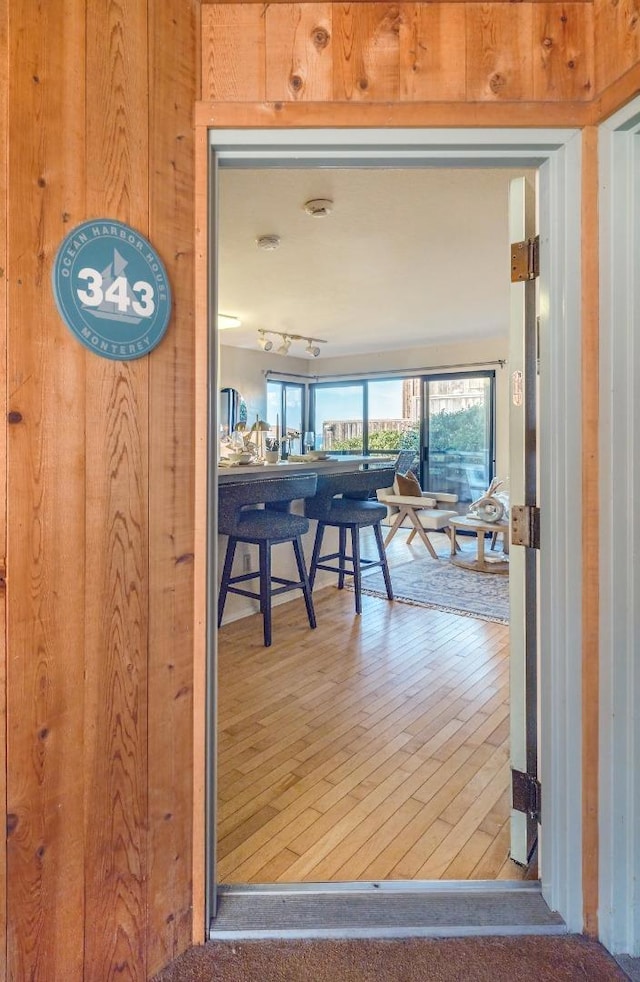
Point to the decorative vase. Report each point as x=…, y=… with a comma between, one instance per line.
x=489, y=509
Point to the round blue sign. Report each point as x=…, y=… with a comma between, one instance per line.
x=112, y=290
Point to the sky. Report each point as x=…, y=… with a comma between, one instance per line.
x=345, y=401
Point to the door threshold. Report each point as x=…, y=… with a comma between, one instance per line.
x=389, y=909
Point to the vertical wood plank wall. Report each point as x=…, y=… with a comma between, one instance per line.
x=3, y=471
x=46, y=575
x=398, y=52
x=173, y=81
x=617, y=33
x=96, y=119
x=100, y=492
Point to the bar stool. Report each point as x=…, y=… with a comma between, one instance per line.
x=353, y=510
x=265, y=527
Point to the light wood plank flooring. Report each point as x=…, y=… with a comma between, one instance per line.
x=375, y=747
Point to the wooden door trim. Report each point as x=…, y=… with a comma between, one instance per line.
x=616, y=95
x=201, y=293
x=448, y=115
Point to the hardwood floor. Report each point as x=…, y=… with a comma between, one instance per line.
x=375, y=747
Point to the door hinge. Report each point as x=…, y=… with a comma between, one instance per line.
x=525, y=526
x=525, y=260
x=526, y=794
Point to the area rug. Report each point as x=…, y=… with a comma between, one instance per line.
x=437, y=583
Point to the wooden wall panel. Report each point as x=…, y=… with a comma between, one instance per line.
x=433, y=43
x=205, y=3
x=563, y=66
x=174, y=89
x=234, y=42
x=617, y=39
x=201, y=397
x=3, y=473
x=499, y=54
x=299, y=53
x=46, y=501
x=99, y=526
x=117, y=604
x=366, y=52
x=100, y=455
x=384, y=52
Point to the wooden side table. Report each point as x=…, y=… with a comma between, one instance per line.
x=482, y=562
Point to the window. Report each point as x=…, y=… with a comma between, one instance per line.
x=393, y=415
x=285, y=404
x=337, y=416
x=447, y=419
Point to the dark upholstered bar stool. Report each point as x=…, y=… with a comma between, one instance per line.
x=342, y=501
x=264, y=526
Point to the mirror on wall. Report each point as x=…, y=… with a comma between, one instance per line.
x=232, y=411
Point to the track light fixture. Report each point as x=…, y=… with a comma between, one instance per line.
x=312, y=349
x=267, y=345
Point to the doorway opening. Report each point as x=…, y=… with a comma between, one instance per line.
x=364, y=625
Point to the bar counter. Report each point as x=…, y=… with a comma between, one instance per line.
x=247, y=555
x=235, y=473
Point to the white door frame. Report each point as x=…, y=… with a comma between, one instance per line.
x=557, y=155
x=619, y=435
x=523, y=606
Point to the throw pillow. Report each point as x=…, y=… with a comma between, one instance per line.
x=408, y=485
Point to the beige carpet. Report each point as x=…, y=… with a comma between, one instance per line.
x=523, y=959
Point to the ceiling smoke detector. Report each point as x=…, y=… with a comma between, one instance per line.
x=318, y=207
x=268, y=242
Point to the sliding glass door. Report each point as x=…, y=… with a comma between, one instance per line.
x=447, y=419
x=458, y=434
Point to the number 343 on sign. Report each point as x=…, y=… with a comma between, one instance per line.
x=117, y=293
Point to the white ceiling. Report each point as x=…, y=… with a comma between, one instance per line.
x=406, y=258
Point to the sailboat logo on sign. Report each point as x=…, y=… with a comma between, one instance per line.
x=112, y=290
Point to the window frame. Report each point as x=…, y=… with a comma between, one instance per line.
x=423, y=379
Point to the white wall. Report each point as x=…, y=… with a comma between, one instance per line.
x=243, y=369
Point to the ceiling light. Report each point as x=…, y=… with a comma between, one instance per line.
x=312, y=347
x=268, y=242
x=226, y=321
x=318, y=207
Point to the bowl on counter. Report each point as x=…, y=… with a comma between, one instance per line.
x=241, y=457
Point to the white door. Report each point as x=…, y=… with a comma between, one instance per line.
x=523, y=560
